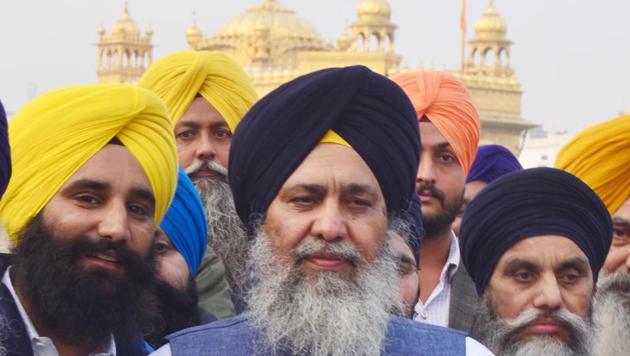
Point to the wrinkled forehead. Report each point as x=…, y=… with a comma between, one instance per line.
x=543, y=252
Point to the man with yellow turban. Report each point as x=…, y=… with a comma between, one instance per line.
x=600, y=156
x=449, y=133
x=207, y=94
x=94, y=171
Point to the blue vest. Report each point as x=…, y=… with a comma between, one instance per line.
x=236, y=337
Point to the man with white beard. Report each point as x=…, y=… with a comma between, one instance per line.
x=321, y=169
x=207, y=94
x=600, y=156
x=534, y=242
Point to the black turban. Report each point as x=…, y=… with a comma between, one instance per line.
x=366, y=109
x=413, y=217
x=5, y=152
x=533, y=202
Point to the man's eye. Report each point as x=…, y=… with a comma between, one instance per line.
x=138, y=210
x=447, y=158
x=361, y=203
x=524, y=277
x=405, y=269
x=222, y=133
x=161, y=248
x=185, y=134
x=88, y=199
x=302, y=200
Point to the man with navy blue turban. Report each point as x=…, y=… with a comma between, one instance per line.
x=534, y=242
x=321, y=170
x=491, y=163
x=180, y=245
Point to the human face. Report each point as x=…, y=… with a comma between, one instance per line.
x=618, y=258
x=203, y=135
x=332, y=196
x=109, y=197
x=407, y=273
x=440, y=180
x=170, y=264
x=546, y=273
x=470, y=192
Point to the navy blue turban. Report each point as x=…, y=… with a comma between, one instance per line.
x=529, y=203
x=492, y=162
x=5, y=152
x=185, y=223
x=413, y=217
x=369, y=111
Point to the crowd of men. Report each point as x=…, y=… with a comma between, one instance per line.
x=344, y=213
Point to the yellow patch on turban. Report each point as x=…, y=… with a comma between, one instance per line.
x=55, y=134
x=600, y=156
x=177, y=78
x=333, y=137
x=446, y=102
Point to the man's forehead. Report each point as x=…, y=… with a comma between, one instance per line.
x=431, y=137
x=543, y=249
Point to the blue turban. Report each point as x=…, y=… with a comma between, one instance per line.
x=185, y=223
x=5, y=152
x=368, y=111
x=413, y=217
x=492, y=162
x=529, y=203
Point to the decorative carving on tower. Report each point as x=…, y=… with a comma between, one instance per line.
x=373, y=30
x=194, y=36
x=489, y=50
x=124, y=53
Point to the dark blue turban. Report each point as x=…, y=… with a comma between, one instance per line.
x=366, y=109
x=5, y=152
x=413, y=217
x=529, y=203
x=185, y=223
x=492, y=162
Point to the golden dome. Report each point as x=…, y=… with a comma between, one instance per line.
x=490, y=24
x=286, y=28
x=125, y=25
x=374, y=8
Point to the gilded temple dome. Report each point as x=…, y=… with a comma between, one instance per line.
x=125, y=25
x=284, y=25
x=490, y=24
x=374, y=8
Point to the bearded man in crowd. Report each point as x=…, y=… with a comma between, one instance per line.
x=321, y=169
x=94, y=171
x=534, y=242
x=207, y=94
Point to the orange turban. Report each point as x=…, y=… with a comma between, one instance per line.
x=446, y=102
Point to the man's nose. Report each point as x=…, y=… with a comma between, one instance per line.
x=114, y=224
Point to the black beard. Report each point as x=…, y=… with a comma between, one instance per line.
x=177, y=311
x=441, y=222
x=78, y=306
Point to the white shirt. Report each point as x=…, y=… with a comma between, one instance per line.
x=436, y=309
x=44, y=346
x=473, y=348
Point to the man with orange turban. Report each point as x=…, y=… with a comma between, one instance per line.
x=449, y=133
x=600, y=156
x=94, y=172
x=207, y=94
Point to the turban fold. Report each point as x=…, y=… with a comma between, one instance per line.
x=177, y=78
x=529, y=203
x=5, y=152
x=492, y=162
x=365, y=109
x=56, y=133
x=185, y=223
x=600, y=156
x=446, y=102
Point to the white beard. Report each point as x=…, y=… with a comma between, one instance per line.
x=611, y=314
x=323, y=313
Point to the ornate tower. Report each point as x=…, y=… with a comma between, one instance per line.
x=373, y=31
x=489, y=50
x=124, y=53
x=194, y=36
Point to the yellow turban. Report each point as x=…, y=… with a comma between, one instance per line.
x=56, y=133
x=179, y=77
x=600, y=156
x=446, y=102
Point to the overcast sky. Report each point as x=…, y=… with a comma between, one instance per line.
x=571, y=56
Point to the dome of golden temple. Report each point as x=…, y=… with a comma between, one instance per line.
x=490, y=23
x=125, y=25
x=284, y=25
x=377, y=8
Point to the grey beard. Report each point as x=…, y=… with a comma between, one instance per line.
x=226, y=234
x=325, y=313
x=611, y=315
x=502, y=336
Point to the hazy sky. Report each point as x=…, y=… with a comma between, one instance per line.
x=571, y=56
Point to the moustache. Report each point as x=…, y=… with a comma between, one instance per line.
x=340, y=249
x=439, y=195
x=199, y=165
x=128, y=259
x=570, y=321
